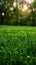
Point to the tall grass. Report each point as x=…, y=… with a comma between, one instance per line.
x=17, y=45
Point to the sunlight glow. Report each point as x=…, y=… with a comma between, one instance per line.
x=25, y=7
x=11, y=8
x=29, y=1
x=2, y=13
x=14, y=4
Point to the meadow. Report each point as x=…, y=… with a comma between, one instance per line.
x=17, y=45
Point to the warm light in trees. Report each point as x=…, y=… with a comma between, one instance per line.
x=29, y=1
x=14, y=4
x=2, y=13
x=11, y=8
x=25, y=7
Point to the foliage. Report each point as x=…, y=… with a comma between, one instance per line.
x=0, y=0
x=17, y=45
x=34, y=4
x=16, y=16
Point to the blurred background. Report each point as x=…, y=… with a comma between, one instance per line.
x=18, y=12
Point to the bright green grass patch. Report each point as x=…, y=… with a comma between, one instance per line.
x=17, y=45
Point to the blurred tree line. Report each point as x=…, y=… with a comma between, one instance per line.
x=10, y=15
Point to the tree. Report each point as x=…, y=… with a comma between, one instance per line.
x=34, y=4
x=33, y=13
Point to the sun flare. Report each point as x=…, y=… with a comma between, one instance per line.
x=29, y=1
x=25, y=7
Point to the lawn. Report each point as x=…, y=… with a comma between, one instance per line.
x=17, y=45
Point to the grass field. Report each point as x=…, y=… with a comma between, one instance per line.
x=17, y=45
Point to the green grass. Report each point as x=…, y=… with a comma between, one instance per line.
x=17, y=45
